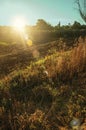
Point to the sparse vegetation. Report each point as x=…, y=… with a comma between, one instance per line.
x=42, y=65
x=47, y=94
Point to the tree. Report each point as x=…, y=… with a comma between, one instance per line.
x=43, y=25
x=82, y=9
x=58, y=26
x=76, y=25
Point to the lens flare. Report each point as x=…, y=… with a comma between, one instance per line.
x=29, y=42
x=26, y=37
x=19, y=23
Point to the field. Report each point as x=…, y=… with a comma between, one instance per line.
x=42, y=86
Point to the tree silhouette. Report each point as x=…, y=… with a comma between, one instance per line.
x=43, y=25
x=76, y=25
x=82, y=9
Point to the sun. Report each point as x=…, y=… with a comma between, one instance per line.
x=19, y=24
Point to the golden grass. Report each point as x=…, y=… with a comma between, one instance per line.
x=47, y=94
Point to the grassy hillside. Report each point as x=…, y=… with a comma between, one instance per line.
x=48, y=93
x=17, y=55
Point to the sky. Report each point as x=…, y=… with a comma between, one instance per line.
x=51, y=11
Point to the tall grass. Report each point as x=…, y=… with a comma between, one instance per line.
x=46, y=95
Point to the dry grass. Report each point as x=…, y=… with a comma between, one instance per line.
x=47, y=94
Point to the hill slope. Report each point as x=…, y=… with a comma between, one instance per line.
x=18, y=55
x=47, y=94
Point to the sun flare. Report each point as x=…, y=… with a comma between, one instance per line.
x=19, y=24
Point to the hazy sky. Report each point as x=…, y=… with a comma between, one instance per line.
x=52, y=11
